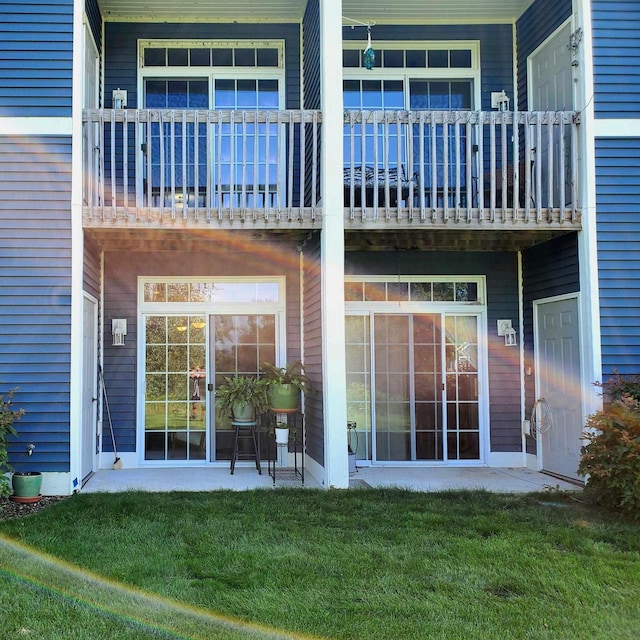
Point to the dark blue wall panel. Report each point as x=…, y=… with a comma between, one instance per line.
x=502, y=302
x=548, y=269
x=121, y=52
x=95, y=21
x=35, y=294
x=618, y=225
x=121, y=299
x=496, y=48
x=36, y=42
x=535, y=25
x=314, y=403
x=311, y=55
x=616, y=53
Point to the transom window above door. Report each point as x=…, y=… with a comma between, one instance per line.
x=211, y=53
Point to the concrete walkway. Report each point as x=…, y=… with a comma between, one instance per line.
x=501, y=480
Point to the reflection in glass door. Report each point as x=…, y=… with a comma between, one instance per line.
x=239, y=346
x=425, y=377
x=175, y=384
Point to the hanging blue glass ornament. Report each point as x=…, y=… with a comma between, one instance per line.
x=369, y=55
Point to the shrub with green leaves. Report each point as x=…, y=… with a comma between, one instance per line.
x=8, y=416
x=611, y=457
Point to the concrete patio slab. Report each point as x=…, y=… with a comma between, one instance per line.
x=502, y=480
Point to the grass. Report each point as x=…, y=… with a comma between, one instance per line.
x=383, y=564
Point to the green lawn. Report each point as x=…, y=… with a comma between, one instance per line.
x=288, y=563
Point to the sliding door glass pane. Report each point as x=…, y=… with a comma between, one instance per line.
x=463, y=422
x=392, y=388
x=358, y=361
x=240, y=344
x=175, y=383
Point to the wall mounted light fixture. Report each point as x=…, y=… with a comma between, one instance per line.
x=118, y=331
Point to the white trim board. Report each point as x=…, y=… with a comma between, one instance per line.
x=36, y=126
x=617, y=128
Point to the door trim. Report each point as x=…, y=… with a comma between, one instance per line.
x=536, y=356
x=94, y=382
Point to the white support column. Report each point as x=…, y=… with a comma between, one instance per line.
x=336, y=466
x=77, y=257
x=591, y=338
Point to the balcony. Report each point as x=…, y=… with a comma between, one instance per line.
x=186, y=167
x=441, y=170
x=480, y=169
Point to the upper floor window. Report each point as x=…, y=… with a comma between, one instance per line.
x=213, y=53
x=453, y=56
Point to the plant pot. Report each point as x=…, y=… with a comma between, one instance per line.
x=243, y=412
x=282, y=435
x=26, y=486
x=284, y=398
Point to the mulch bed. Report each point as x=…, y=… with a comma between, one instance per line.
x=11, y=509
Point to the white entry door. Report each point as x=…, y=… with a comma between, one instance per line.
x=89, y=386
x=558, y=385
x=551, y=89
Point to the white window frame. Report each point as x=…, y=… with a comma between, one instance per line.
x=444, y=309
x=415, y=73
x=278, y=309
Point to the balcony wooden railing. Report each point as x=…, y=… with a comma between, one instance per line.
x=400, y=168
x=442, y=166
x=193, y=166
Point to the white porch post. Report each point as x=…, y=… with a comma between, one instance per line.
x=77, y=257
x=587, y=241
x=336, y=467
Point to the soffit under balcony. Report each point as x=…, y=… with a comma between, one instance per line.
x=378, y=11
x=193, y=242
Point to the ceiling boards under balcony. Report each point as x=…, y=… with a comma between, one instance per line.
x=379, y=11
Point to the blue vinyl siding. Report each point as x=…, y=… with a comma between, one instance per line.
x=535, y=25
x=121, y=298
x=314, y=415
x=95, y=21
x=496, y=49
x=616, y=53
x=311, y=55
x=121, y=42
x=548, y=269
x=502, y=302
x=35, y=294
x=36, y=41
x=91, y=270
x=618, y=227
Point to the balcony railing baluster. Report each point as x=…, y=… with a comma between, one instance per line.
x=262, y=167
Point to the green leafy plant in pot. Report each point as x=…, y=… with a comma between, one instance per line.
x=8, y=415
x=285, y=384
x=241, y=398
x=26, y=484
x=282, y=431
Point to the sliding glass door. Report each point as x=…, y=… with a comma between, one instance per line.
x=413, y=387
x=239, y=346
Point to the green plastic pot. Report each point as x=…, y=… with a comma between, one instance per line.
x=26, y=484
x=284, y=398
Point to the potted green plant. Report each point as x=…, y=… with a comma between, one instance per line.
x=241, y=397
x=285, y=384
x=282, y=432
x=8, y=415
x=25, y=484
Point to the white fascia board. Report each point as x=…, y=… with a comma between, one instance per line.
x=617, y=128
x=36, y=126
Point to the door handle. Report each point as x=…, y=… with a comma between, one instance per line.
x=210, y=386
